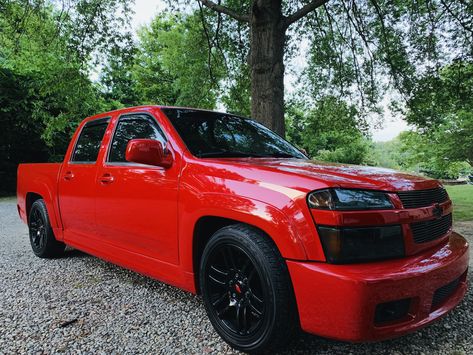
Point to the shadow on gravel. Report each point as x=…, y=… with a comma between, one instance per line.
x=74, y=253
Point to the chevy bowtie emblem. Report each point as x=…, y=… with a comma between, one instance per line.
x=437, y=211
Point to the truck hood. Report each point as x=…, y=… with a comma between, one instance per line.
x=340, y=175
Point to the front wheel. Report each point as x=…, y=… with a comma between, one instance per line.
x=247, y=291
x=42, y=239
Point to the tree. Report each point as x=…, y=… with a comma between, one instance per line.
x=45, y=89
x=330, y=131
x=268, y=27
x=441, y=108
x=358, y=49
x=430, y=155
x=170, y=64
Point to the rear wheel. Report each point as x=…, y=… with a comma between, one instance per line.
x=42, y=239
x=247, y=291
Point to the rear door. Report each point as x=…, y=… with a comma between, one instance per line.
x=77, y=183
x=136, y=203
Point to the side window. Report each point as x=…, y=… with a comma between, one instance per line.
x=88, y=144
x=133, y=127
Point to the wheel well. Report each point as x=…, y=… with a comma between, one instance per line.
x=31, y=197
x=203, y=230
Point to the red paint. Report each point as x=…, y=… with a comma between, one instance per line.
x=148, y=151
x=143, y=217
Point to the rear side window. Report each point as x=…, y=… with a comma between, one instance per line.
x=133, y=127
x=88, y=145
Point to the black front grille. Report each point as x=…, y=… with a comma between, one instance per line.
x=444, y=292
x=422, y=198
x=423, y=232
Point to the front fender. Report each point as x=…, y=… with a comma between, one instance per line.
x=251, y=211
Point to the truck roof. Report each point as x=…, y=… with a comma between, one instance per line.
x=145, y=107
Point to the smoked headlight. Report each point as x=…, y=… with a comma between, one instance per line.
x=349, y=199
x=349, y=245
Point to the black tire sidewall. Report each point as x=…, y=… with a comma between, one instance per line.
x=51, y=247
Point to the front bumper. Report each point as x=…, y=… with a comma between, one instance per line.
x=339, y=301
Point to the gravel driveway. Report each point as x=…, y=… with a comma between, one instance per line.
x=80, y=304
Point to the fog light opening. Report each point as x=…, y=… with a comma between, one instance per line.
x=393, y=311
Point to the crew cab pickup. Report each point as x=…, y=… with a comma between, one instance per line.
x=219, y=205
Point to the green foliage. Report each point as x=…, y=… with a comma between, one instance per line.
x=442, y=109
x=174, y=59
x=330, y=131
x=423, y=153
x=362, y=49
x=461, y=196
x=171, y=64
x=20, y=135
x=45, y=88
x=387, y=154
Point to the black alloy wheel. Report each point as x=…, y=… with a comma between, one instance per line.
x=236, y=289
x=37, y=229
x=247, y=290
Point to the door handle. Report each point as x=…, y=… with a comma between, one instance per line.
x=106, y=178
x=68, y=175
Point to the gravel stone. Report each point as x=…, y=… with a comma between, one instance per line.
x=80, y=304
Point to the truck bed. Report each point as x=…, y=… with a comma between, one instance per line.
x=38, y=179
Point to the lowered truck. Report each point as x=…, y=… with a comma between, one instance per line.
x=219, y=205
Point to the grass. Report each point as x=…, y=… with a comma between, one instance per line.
x=462, y=197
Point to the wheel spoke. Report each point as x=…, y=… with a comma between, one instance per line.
x=256, y=311
x=217, y=281
x=219, y=300
x=238, y=317
x=218, y=275
x=256, y=298
x=223, y=311
x=245, y=318
x=219, y=271
x=42, y=238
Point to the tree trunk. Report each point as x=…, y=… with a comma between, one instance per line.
x=267, y=42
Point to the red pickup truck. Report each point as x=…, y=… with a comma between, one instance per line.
x=219, y=205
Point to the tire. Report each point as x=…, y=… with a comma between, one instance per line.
x=42, y=239
x=247, y=291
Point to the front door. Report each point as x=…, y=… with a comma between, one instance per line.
x=136, y=206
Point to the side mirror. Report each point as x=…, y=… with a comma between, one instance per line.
x=148, y=151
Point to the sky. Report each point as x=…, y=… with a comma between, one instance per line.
x=145, y=10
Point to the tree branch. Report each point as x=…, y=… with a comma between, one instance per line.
x=303, y=11
x=456, y=17
x=225, y=10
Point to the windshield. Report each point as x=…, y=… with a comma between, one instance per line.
x=212, y=134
